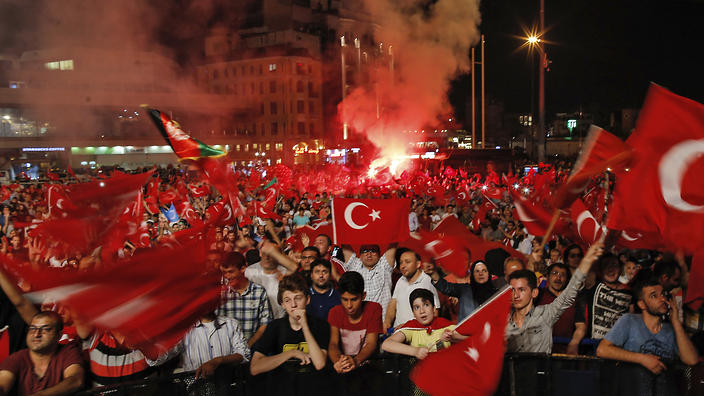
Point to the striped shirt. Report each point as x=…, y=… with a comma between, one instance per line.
x=111, y=362
x=207, y=341
x=251, y=308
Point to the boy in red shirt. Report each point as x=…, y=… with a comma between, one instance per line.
x=355, y=325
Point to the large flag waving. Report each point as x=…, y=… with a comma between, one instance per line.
x=601, y=151
x=472, y=367
x=370, y=221
x=182, y=143
x=662, y=193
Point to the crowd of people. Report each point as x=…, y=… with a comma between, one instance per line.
x=288, y=293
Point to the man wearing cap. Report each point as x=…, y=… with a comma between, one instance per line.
x=375, y=269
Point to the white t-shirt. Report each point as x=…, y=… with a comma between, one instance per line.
x=255, y=273
x=403, y=290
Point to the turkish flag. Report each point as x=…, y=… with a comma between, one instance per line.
x=601, y=151
x=586, y=226
x=473, y=366
x=370, y=221
x=662, y=194
x=152, y=298
x=58, y=203
x=535, y=218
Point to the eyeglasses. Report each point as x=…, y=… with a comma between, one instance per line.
x=41, y=329
x=558, y=273
x=368, y=251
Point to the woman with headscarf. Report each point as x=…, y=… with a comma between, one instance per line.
x=471, y=295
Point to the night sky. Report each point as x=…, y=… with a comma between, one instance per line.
x=604, y=52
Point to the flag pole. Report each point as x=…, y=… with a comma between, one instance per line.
x=553, y=221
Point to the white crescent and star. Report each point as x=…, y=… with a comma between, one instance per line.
x=375, y=215
x=584, y=216
x=430, y=247
x=671, y=170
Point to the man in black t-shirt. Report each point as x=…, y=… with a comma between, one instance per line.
x=296, y=336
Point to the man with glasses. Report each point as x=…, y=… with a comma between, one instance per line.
x=571, y=325
x=572, y=256
x=45, y=365
x=308, y=255
x=376, y=270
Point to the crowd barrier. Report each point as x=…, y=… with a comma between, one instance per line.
x=387, y=375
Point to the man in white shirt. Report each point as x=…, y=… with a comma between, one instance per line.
x=413, y=219
x=399, y=310
x=269, y=271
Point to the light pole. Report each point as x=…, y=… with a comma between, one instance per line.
x=536, y=42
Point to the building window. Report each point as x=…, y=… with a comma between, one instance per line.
x=225, y=73
x=272, y=67
x=272, y=86
x=261, y=88
x=261, y=110
x=242, y=70
x=246, y=147
x=300, y=68
x=254, y=146
x=237, y=147
x=272, y=108
x=274, y=129
x=301, y=128
x=253, y=88
x=267, y=147
x=301, y=107
x=234, y=72
x=279, y=147
x=215, y=74
x=311, y=107
x=299, y=86
x=260, y=70
x=312, y=129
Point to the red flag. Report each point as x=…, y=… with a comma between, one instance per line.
x=57, y=202
x=5, y=194
x=473, y=366
x=448, y=251
x=52, y=176
x=601, y=151
x=662, y=193
x=71, y=172
x=535, y=219
x=586, y=226
x=153, y=298
x=477, y=246
x=370, y=221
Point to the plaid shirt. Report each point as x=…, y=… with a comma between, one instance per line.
x=251, y=308
x=377, y=281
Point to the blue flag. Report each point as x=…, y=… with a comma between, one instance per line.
x=171, y=214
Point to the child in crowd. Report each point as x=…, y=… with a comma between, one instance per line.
x=424, y=334
x=355, y=325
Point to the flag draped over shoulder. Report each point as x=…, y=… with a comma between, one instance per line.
x=473, y=366
x=183, y=144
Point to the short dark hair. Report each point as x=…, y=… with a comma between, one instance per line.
x=311, y=249
x=252, y=256
x=644, y=278
x=351, y=282
x=369, y=247
x=423, y=294
x=528, y=275
x=400, y=251
x=233, y=259
x=566, y=254
x=609, y=260
x=558, y=265
x=53, y=316
x=667, y=266
x=326, y=236
x=293, y=283
x=320, y=261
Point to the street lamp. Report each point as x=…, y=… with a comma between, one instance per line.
x=535, y=42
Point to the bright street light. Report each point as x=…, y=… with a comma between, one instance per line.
x=532, y=40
